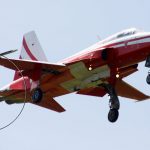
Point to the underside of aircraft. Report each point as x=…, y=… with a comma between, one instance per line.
x=95, y=71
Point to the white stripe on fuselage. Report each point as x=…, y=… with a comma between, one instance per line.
x=145, y=40
x=139, y=41
x=119, y=45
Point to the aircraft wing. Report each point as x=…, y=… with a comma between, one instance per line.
x=123, y=89
x=28, y=65
x=96, y=91
x=50, y=103
x=18, y=96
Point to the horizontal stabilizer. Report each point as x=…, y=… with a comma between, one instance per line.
x=30, y=68
x=29, y=64
x=123, y=89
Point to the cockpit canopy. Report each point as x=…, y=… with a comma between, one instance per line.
x=122, y=34
x=127, y=32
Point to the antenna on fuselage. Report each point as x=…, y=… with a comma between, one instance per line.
x=99, y=38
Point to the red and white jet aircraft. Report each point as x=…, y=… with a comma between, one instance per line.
x=95, y=71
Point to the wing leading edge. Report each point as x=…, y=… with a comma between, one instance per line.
x=31, y=65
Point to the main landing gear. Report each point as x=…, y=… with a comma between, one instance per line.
x=114, y=103
x=37, y=95
x=147, y=64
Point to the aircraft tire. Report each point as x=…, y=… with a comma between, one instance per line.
x=9, y=102
x=37, y=95
x=113, y=115
x=148, y=79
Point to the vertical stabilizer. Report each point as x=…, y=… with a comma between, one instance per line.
x=31, y=49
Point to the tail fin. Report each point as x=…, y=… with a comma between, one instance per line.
x=31, y=49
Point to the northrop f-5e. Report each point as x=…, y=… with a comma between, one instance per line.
x=95, y=71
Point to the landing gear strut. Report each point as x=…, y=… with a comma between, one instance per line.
x=37, y=95
x=114, y=103
x=147, y=64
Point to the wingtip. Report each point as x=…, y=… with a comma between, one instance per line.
x=61, y=111
x=146, y=98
